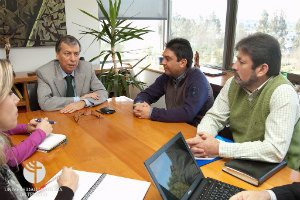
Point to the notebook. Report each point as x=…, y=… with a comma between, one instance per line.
x=52, y=141
x=177, y=176
x=253, y=172
x=97, y=186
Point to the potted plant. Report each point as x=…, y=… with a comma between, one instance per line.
x=115, y=30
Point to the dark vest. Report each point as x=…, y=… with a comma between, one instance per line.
x=175, y=96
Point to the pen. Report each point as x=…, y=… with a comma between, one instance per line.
x=50, y=181
x=53, y=179
x=43, y=186
x=51, y=122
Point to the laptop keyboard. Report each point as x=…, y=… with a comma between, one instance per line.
x=216, y=190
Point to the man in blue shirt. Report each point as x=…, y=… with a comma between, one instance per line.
x=188, y=95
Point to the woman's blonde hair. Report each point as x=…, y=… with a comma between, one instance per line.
x=6, y=82
x=6, y=78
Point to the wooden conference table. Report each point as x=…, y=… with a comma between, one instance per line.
x=118, y=144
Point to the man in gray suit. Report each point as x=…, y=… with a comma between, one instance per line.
x=68, y=84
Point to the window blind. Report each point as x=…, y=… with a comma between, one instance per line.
x=140, y=9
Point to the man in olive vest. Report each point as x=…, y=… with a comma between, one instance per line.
x=260, y=105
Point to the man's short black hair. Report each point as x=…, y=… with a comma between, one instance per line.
x=182, y=49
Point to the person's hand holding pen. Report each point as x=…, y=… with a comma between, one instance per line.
x=31, y=126
x=44, y=125
x=68, y=178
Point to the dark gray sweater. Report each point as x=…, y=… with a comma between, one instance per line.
x=187, y=101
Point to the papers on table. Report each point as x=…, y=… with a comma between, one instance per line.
x=111, y=187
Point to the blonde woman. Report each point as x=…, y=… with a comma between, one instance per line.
x=9, y=185
x=39, y=131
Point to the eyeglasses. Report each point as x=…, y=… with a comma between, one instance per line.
x=77, y=115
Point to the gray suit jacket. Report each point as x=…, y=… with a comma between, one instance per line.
x=52, y=88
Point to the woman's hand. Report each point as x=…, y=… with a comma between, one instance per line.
x=68, y=178
x=31, y=126
x=45, y=126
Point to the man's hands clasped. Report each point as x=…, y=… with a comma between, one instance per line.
x=204, y=145
x=142, y=110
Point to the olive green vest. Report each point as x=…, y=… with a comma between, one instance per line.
x=248, y=118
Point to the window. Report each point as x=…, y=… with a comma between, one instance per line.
x=152, y=43
x=203, y=24
x=210, y=29
x=151, y=14
x=278, y=18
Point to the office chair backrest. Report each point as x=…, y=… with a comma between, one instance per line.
x=32, y=96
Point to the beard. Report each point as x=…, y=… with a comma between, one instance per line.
x=245, y=84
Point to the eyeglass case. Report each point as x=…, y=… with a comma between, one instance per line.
x=106, y=110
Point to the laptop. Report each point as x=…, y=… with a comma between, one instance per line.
x=177, y=176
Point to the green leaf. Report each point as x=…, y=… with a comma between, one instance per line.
x=107, y=78
x=104, y=60
x=119, y=57
x=116, y=84
x=120, y=86
x=136, y=75
x=92, y=16
x=135, y=83
x=120, y=21
x=107, y=31
x=108, y=88
x=125, y=85
x=101, y=54
x=112, y=14
x=94, y=58
x=118, y=7
x=85, y=27
x=101, y=7
x=139, y=61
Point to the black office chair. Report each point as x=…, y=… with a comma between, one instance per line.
x=32, y=96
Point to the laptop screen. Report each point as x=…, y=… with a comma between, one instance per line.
x=173, y=169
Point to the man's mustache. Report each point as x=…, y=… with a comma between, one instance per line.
x=236, y=74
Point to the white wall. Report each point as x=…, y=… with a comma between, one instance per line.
x=30, y=58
